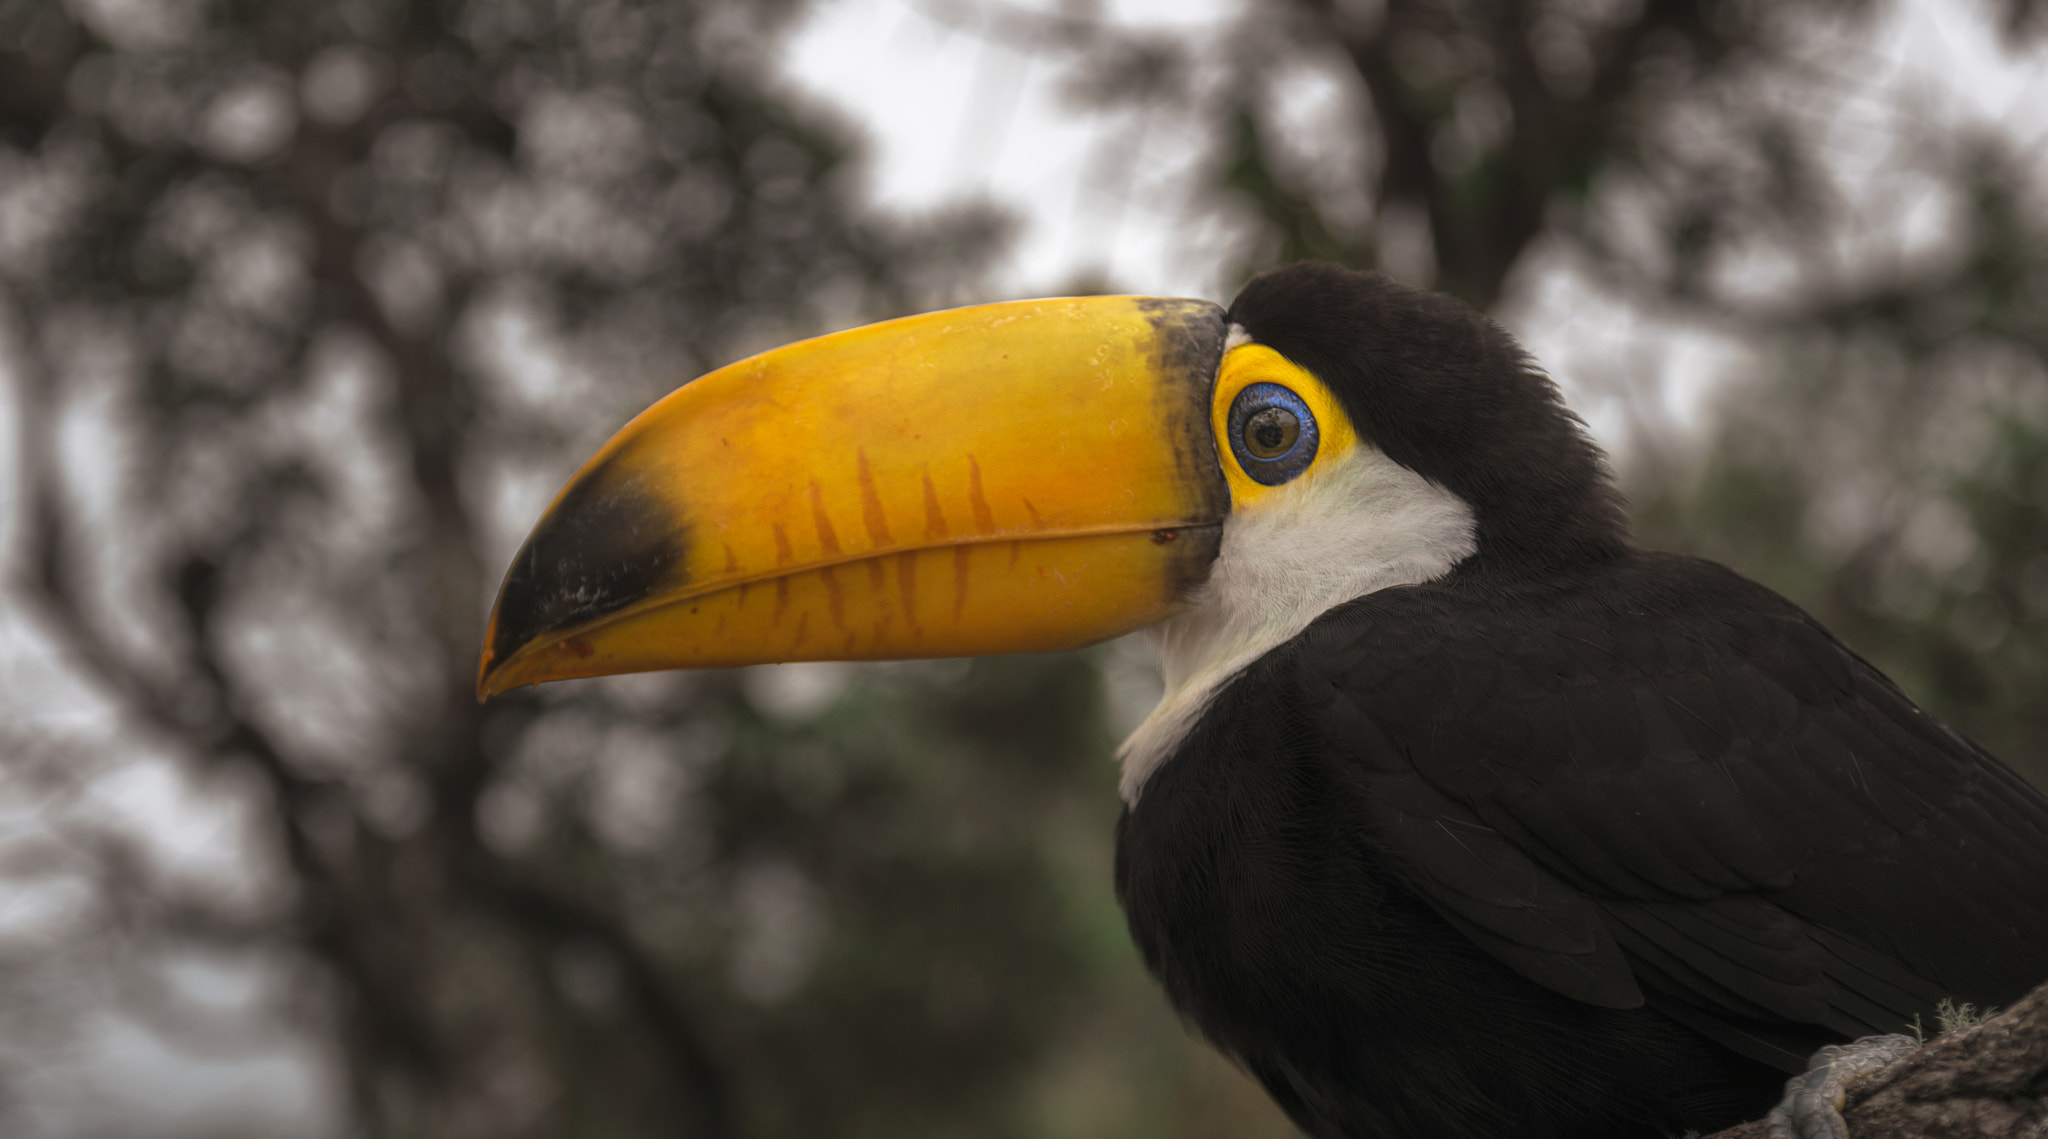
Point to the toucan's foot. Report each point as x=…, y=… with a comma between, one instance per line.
x=1812, y=1107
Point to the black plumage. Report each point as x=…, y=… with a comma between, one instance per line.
x=1576, y=840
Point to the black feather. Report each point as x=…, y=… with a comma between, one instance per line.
x=1575, y=840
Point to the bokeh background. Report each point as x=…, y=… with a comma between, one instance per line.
x=307, y=308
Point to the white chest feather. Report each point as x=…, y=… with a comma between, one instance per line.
x=1360, y=525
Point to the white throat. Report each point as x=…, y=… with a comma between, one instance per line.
x=1360, y=525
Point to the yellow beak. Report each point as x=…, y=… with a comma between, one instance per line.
x=1014, y=477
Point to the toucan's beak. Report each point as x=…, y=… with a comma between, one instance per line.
x=1007, y=478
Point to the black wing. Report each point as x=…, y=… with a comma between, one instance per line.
x=1669, y=784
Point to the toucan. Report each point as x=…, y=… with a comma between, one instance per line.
x=1460, y=816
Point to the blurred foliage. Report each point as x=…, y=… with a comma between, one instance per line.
x=309, y=308
x=1890, y=468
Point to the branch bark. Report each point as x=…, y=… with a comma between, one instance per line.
x=1985, y=1082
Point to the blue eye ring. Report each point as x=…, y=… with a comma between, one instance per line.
x=1294, y=455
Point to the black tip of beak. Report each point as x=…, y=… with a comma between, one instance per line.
x=607, y=543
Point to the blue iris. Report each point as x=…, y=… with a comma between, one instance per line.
x=1272, y=433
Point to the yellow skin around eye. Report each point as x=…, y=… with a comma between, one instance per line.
x=1249, y=364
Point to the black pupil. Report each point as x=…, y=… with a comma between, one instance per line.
x=1271, y=433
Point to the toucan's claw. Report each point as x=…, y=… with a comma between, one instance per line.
x=1812, y=1107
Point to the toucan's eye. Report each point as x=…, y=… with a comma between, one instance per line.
x=1272, y=432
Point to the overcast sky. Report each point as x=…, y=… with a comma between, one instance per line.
x=953, y=116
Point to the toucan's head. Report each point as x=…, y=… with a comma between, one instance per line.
x=1041, y=475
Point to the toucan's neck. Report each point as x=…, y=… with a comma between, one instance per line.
x=1364, y=525
x=1368, y=524
x=1519, y=534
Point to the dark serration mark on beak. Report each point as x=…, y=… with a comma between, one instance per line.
x=607, y=544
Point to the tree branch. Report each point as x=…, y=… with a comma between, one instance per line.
x=1985, y=1082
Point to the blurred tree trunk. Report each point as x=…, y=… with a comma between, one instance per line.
x=1483, y=132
